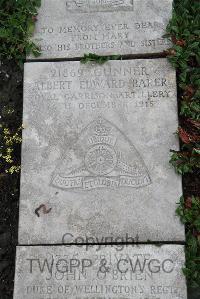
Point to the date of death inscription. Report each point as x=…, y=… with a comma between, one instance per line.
x=102, y=88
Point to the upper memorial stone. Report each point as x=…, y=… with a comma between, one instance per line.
x=69, y=28
x=95, y=151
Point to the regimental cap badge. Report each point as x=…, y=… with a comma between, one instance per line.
x=102, y=157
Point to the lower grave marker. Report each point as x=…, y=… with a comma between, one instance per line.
x=113, y=272
x=95, y=153
x=67, y=28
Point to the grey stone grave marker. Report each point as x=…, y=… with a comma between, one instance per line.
x=139, y=272
x=68, y=28
x=95, y=152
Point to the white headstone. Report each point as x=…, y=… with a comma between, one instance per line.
x=95, y=151
x=67, y=28
x=139, y=272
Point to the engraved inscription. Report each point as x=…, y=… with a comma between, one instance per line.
x=103, y=157
x=103, y=87
x=98, y=5
x=125, y=27
x=94, y=150
x=142, y=272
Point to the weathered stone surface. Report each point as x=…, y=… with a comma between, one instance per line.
x=96, y=149
x=139, y=272
x=67, y=29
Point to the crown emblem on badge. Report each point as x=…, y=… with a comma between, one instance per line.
x=100, y=128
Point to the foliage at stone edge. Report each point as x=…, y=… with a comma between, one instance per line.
x=189, y=212
x=91, y=57
x=17, y=20
x=184, y=32
x=11, y=96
